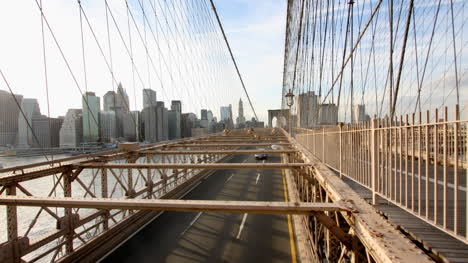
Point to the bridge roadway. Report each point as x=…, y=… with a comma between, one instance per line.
x=218, y=237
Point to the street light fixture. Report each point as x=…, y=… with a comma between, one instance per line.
x=289, y=101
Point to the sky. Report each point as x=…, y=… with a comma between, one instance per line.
x=255, y=30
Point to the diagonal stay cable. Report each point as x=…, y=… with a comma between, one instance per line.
x=232, y=57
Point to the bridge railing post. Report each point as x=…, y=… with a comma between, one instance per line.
x=374, y=164
x=105, y=194
x=340, y=127
x=323, y=146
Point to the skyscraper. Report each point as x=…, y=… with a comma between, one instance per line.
x=240, y=118
x=71, y=132
x=328, y=114
x=132, y=124
x=203, y=118
x=46, y=131
x=121, y=101
x=359, y=113
x=176, y=105
x=307, y=109
x=30, y=108
x=150, y=123
x=91, y=108
x=107, y=125
x=226, y=112
x=209, y=116
x=174, y=121
x=149, y=98
x=109, y=100
x=9, y=113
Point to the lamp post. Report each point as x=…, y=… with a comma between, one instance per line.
x=289, y=101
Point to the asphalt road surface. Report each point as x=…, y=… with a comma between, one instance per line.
x=218, y=237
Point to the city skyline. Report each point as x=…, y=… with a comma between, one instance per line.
x=110, y=122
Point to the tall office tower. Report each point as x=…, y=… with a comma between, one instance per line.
x=359, y=113
x=163, y=116
x=47, y=131
x=203, y=118
x=149, y=124
x=176, y=105
x=162, y=121
x=9, y=113
x=187, y=123
x=240, y=118
x=174, y=121
x=209, y=116
x=71, y=132
x=109, y=100
x=30, y=108
x=328, y=114
x=226, y=112
x=107, y=126
x=149, y=98
x=91, y=108
x=132, y=124
x=121, y=101
x=307, y=109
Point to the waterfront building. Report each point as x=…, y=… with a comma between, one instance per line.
x=150, y=124
x=9, y=114
x=204, y=118
x=71, y=132
x=131, y=125
x=149, y=98
x=46, y=131
x=186, y=125
x=328, y=114
x=91, y=108
x=307, y=109
x=30, y=109
x=176, y=105
x=174, y=121
x=107, y=126
x=226, y=112
x=240, y=118
x=359, y=114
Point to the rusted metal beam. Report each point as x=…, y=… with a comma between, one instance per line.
x=14, y=178
x=213, y=144
x=194, y=165
x=176, y=205
x=169, y=152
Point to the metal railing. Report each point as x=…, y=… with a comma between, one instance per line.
x=418, y=166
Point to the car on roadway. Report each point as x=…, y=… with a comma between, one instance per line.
x=276, y=147
x=261, y=156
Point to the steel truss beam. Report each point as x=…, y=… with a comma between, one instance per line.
x=218, y=145
x=169, y=152
x=255, y=207
x=194, y=165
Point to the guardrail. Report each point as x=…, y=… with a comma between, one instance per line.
x=418, y=166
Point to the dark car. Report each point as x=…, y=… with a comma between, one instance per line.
x=261, y=156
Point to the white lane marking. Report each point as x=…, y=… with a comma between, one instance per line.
x=191, y=223
x=229, y=178
x=242, y=225
x=258, y=176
